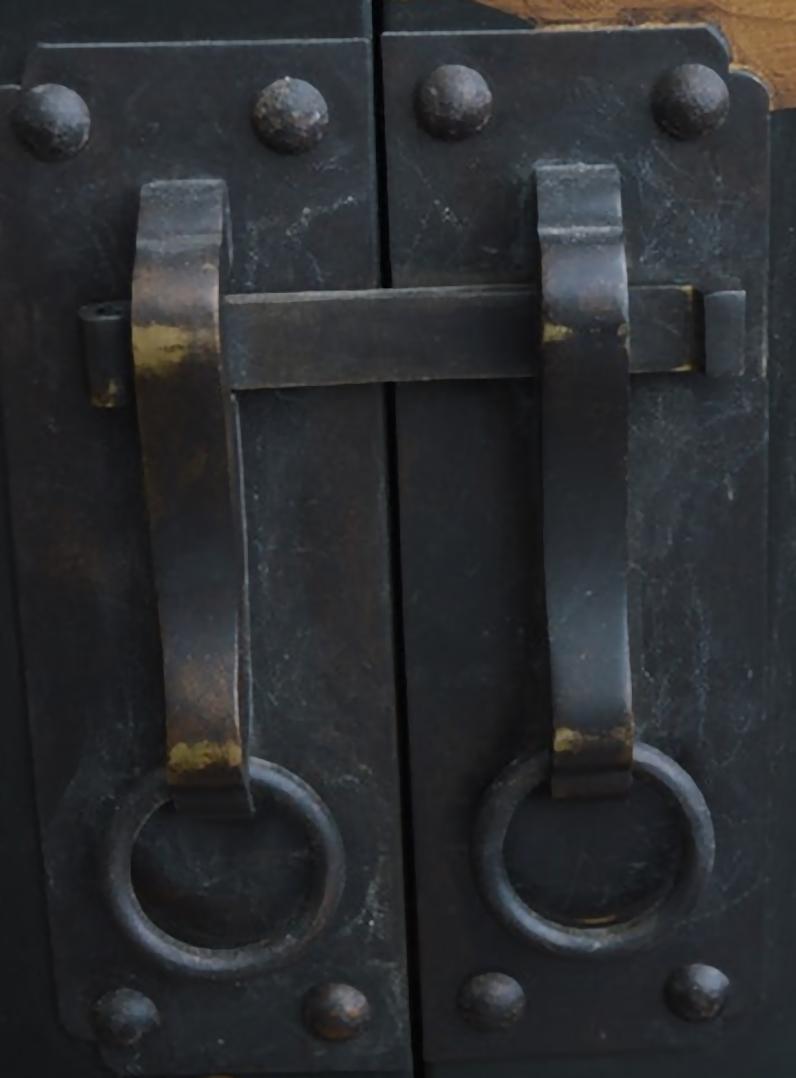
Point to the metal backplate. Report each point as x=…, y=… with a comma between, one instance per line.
x=318, y=547
x=695, y=213
x=26, y=22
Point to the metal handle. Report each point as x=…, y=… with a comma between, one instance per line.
x=189, y=441
x=190, y=445
x=586, y=390
x=496, y=812
x=586, y=339
x=283, y=790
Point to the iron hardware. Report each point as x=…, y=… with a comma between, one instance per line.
x=585, y=326
x=484, y=482
x=175, y=936
x=290, y=116
x=586, y=332
x=620, y=936
x=512, y=410
x=587, y=338
x=189, y=434
x=285, y=790
x=396, y=335
x=52, y=121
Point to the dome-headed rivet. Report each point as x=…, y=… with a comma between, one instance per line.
x=290, y=115
x=690, y=100
x=697, y=993
x=123, y=1017
x=491, y=1001
x=454, y=102
x=336, y=1012
x=52, y=121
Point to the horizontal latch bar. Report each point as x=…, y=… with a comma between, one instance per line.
x=281, y=340
x=425, y=334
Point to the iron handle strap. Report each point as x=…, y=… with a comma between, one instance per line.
x=189, y=442
x=585, y=433
x=585, y=327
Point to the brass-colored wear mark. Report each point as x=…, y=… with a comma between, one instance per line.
x=554, y=333
x=187, y=758
x=160, y=348
x=575, y=741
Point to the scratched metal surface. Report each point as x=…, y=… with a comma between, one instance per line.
x=767, y=1045
x=317, y=524
x=34, y=1041
x=470, y=510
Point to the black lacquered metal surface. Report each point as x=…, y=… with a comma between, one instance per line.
x=586, y=342
x=316, y=518
x=692, y=587
x=285, y=340
x=190, y=454
x=471, y=539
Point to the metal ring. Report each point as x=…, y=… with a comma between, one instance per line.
x=496, y=813
x=287, y=791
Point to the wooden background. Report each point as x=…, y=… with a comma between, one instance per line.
x=762, y=33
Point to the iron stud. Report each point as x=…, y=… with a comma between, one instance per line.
x=690, y=100
x=52, y=121
x=123, y=1017
x=290, y=116
x=697, y=993
x=336, y=1012
x=454, y=102
x=491, y=1001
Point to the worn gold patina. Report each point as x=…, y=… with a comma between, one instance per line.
x=554, y=333
x=188, y=433
x=158, y=348
x=574, y=741
x=185, y=758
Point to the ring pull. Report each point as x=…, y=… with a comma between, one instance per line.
x=496, y=812
x=586, y=344
x=585, y=406
x=189, y=441
x=285, y=792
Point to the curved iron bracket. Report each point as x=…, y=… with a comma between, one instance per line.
x=189, y=441
x=586, y=387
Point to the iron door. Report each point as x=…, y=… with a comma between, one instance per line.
x=398, y=536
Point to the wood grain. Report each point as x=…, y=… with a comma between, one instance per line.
x=761, y=33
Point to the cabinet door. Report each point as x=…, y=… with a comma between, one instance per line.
x=205, y=945
x=551, y=936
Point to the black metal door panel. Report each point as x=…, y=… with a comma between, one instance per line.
x=470, y=491
x=538, y=463
x=319, y=585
